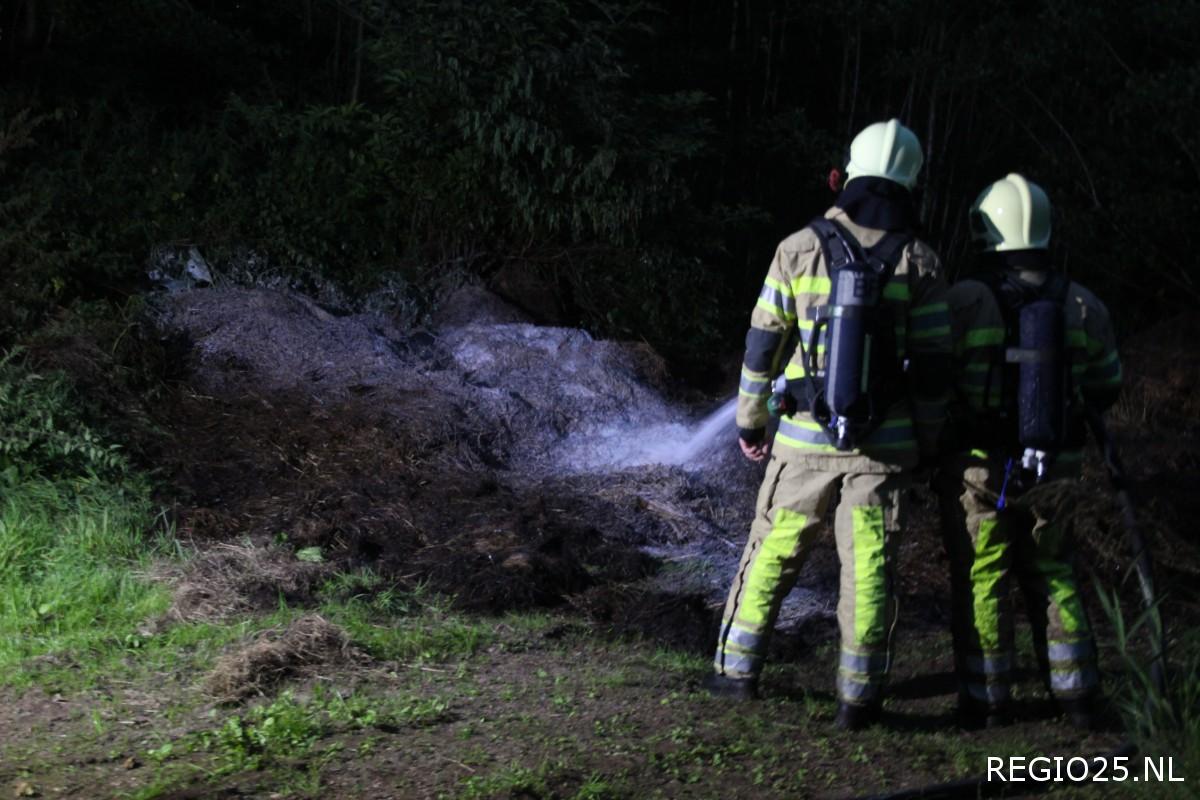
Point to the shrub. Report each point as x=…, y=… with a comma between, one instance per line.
x=42, y=431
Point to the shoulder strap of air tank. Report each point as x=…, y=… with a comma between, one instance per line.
x=835, y=243
x=1056, y=287
x=889, y=248
x=995, y=280
x=886, y=253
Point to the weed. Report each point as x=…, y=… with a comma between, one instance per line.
x=70, y=554
x=596, y=788
x=429, y=630
x=1161, y=723
x=284, y=728
x=679, y=662
x=512, y=781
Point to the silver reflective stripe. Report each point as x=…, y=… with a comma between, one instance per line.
x=1070, y=651
x=755, y=385
x=1073, y=680
x=990, y=665
x=992, y=693
x=806, y=435
x=751, y=642
x=777, y=298
x=859, y=692
x=737, y=664
x=863, y=663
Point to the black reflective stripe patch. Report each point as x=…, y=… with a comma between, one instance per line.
x=761, y=347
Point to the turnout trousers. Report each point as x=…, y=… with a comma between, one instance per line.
x=789, y=514
x=1029, y=540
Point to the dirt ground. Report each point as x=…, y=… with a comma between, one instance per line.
x=419, y=486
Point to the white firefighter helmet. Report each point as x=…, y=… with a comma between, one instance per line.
x=1011, y=214
x=886, y=150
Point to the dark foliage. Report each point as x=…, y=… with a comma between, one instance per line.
x=639, y=160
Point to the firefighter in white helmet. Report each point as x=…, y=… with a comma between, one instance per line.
x=1032, y=350
x=862, y=300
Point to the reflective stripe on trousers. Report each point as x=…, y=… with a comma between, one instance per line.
x=1072, y=667
x=758, y=590
x=792, y=502
x=861, y=676
x=1031, y=540
x=987, y=677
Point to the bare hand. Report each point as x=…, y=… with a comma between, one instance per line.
x=754, y=452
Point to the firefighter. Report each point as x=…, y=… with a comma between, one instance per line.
x=1032, y=351
x=849, y=452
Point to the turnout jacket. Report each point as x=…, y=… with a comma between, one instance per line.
x=977, y=323
x=798, y=280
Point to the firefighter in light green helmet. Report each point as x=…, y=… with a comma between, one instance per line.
x=1032, y=350
x=852, y=317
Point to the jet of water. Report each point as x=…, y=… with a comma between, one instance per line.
x=706, y=434
x=621, y=446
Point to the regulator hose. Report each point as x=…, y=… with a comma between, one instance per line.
x=984, y=785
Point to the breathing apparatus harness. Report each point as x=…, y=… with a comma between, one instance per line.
x=1031, y=372
x=850, y=391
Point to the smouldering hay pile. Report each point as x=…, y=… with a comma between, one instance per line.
x=1156, y=424
x=272, y=657
x=228, y=579
x=427, y=457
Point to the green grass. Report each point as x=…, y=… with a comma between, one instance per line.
x=275, y=736
x=400, y=626
x=73, y=558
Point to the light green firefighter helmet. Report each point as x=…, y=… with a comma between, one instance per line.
x=1011, y=214
x=886, y=150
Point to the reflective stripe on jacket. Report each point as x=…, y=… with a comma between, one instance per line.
x=799, y=279
x=977, y=322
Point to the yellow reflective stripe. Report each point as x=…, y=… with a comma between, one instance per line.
x=870, y=575
x=812, y=425
x=1060, y=581
x=979, y=454
x=795, y=369
x=987, y=571
x=1104, y=372
x=774, y=310
x=929, y=333
x=930, y=308
x=753, y=374
x=896, y=290
x=982, y=337
x=778, y=286
x=811, y=284
x=766, y=571
x=801, y=445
